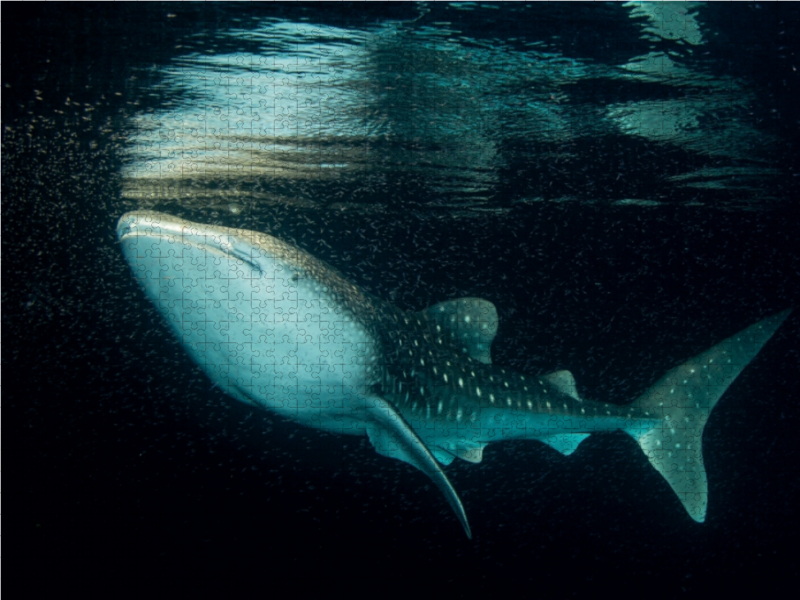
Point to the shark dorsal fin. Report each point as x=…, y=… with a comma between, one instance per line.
x=468, y=324
x=565, y=383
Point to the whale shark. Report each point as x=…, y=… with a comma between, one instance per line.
x=278, y=329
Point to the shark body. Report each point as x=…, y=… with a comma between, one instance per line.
x=276, y=328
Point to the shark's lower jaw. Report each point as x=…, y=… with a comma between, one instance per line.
x=277, y=328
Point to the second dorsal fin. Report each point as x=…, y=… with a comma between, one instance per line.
x=565, y=383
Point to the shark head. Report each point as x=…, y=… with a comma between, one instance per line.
x=269, y=323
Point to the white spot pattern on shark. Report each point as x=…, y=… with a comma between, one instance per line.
x=277, y=328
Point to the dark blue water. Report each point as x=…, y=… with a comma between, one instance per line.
x=620, y=180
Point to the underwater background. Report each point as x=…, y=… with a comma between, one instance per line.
x=621, y=180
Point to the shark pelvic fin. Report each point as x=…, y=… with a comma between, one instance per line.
x=566, y=443
x=683, y=399
x=392, y=437
x=442, y=455
x=465, y=450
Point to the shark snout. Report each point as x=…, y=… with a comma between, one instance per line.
x=140, y=231
x=148, y=223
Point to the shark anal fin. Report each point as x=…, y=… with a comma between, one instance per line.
x=392, y=437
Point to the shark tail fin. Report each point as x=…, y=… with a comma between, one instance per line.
x=682, y=401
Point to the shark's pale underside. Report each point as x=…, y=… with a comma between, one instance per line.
x=276, y=328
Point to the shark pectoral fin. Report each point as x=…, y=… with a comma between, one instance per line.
x=566, y=443
x=392, y=437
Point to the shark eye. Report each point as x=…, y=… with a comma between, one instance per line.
x=295, y=277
